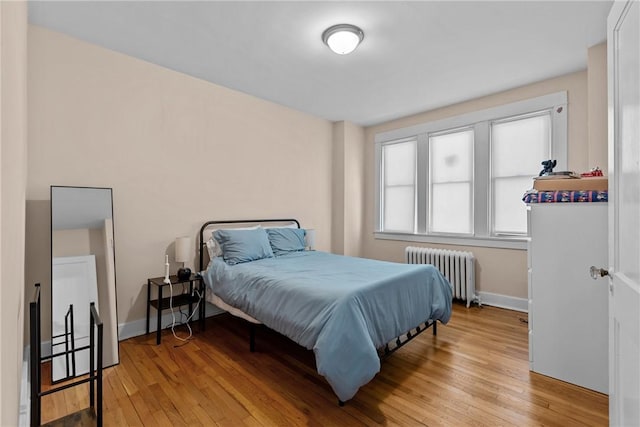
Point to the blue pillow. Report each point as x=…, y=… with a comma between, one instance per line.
x=243, y=245
x=285, y=240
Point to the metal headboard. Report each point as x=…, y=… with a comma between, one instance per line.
x=237, y=221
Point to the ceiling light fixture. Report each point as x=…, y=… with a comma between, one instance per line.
x=342, y=38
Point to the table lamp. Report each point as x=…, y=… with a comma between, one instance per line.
x=183, y=253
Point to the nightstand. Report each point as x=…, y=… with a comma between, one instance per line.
x=179, y=299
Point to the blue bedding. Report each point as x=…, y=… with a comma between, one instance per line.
x=343, y=308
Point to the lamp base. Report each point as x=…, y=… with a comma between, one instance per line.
x=184, y=273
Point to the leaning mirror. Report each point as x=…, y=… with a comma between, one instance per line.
x=82, y=271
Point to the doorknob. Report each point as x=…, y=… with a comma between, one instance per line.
x=597, y=272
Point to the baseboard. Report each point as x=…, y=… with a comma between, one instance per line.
x=504, y=301
x=139, y=327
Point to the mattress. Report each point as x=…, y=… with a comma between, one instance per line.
x=217, y=301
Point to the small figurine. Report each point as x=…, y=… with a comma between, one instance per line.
x=548, y=167
x=593, y=172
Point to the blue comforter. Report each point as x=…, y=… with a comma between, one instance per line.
x=343, y=308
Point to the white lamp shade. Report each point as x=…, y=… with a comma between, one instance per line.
x=343, y=42
x=310, y=238
x=342, y=38
x=183, y=249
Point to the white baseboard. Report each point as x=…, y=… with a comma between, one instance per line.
x=504, y=301
x=139, y=327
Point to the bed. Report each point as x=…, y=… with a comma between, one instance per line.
x=349, y=311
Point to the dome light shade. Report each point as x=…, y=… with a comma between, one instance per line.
x=342, y=38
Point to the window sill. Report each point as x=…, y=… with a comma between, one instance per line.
x=519, y=243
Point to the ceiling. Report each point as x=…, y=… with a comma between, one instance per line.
x=415, y=56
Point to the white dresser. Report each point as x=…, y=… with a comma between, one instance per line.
x=568, y=310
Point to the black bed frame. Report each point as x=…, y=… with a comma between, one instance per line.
x=383, y=352
x=237, y=221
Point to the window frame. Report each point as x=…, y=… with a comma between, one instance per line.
x=429, y=184
x=480, y=122
x=491, y=189
x=384, y=186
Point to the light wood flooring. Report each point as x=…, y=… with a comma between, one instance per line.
x=474, y=372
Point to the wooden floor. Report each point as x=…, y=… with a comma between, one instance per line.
x=474, y=372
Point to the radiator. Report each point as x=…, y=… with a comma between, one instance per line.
x=457, y=266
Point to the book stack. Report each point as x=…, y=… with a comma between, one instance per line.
x=569, y=181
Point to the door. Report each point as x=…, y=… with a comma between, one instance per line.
x=623, y=46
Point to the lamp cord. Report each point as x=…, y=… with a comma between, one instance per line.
x=173, y=316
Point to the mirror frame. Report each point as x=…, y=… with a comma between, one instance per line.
x=115, y=290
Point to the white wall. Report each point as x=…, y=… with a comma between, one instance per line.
x=13, y=177
x=176, y=150
x=348, y=187
x=597, y=107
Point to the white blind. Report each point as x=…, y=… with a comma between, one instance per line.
x=518, y=145
x=462, y=178
x=399, y=176
x=451, y=182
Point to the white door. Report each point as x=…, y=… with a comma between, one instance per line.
x=623, y=45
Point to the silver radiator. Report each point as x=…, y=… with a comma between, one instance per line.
x=457, y=266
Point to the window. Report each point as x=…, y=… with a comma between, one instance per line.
x=399, y=165
x=517, y=145
x=451, y=182
x=461, y=180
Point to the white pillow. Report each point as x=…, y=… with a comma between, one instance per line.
x=214, y=248
x=292, y=225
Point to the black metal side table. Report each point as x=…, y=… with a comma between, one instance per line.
x=162, y=301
